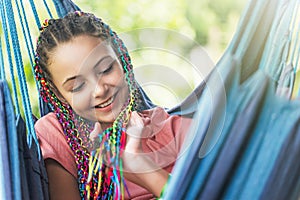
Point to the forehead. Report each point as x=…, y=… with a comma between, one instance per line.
x=73, y=56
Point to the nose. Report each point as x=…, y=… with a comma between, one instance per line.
x=100, y=90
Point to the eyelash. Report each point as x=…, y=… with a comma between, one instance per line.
x=77, y=89
x=107, y=70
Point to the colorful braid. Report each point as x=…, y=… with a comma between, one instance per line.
x=100, y=170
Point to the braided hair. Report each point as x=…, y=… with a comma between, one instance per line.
x=96, y=179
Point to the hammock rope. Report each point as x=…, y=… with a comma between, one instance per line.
x=2, y=69
x=47, y=8
x=25, y=30
x=10, y=59
x=35, y=14
x=20, y=72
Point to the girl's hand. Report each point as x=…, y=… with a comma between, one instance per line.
x=96, y=131
x=132, y=154
x=134, y=134
x=138, y=167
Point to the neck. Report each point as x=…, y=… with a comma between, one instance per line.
x=105, y=125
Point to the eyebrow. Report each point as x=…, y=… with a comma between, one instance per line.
x=69, y=79
x=74, y=77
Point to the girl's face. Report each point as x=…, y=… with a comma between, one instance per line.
x=88, y=75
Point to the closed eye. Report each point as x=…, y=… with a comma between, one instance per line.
x=78, y=88
x=108, y=69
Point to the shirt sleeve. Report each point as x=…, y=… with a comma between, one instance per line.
x=53, y=143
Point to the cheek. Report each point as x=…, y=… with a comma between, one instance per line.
x=116, y=79
x=79, y=101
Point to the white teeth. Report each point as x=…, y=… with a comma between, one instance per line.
x=106, y=103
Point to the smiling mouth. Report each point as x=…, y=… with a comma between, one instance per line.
x=105, y=104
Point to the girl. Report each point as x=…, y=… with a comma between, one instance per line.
x=101, y=140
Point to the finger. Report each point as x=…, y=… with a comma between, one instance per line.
x=135, y=125
x=136, y=120
x=96, y=131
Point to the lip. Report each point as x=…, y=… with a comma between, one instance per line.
x=108, y=107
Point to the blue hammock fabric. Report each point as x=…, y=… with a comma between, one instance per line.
x=4, y=165
x=34, y=178
x=10, y=182
x=23, y=173
x=63, y=7
x=238, y=147
x=241, y=160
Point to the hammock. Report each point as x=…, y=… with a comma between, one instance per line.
x=248, y=142
x=227, y=148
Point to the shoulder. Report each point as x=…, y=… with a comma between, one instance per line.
x=49, y=130
x=53, y=142
x=50, y=133
x=48, y=123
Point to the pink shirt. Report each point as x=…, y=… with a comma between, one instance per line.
x=163, y=137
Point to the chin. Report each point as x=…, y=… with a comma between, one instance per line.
x=108, y=118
